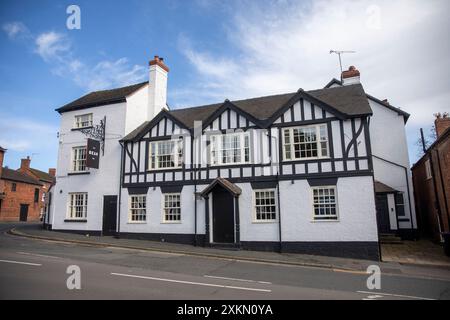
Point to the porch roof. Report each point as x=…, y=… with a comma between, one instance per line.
x=383, y=188
x=231, y=187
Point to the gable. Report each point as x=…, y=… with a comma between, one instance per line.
x=163, y=125
x=303, y=110
x=228, y=116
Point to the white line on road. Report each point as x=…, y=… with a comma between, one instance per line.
x=190, y=282
x=395, y=295
x=20, y=262
x=37, y=255
x=237, y=279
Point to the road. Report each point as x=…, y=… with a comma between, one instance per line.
x=36, y=269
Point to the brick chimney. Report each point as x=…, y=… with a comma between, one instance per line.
x=52, y=172
x=157, y=94
x=25, y=164
x=441, y=123
x=350, y=76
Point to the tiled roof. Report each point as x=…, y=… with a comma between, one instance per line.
x=13, y=175
x=99, y=98
x=43, y=176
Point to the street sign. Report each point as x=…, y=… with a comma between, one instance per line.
x=93, y=153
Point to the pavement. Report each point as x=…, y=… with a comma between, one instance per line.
x=421, y=252
x=34, y=266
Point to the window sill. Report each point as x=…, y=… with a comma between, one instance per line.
x=137, y=222
x=171, y=222
x=264, y=222
x=75, y=220
x=78, y=173
x=324, y=220
x=79, y=129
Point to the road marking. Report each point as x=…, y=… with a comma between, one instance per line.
x=190, y=282
x=37, y=255
x=395, y=295
x=237, y=279
x=20, y=262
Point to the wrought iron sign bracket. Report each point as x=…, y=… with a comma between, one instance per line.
x=97, y=132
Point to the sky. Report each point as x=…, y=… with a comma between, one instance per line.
x=215, y=50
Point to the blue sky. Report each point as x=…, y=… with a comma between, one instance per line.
x=215, y=50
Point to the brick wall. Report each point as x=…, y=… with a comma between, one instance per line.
x=24, y=194
x=433, y=196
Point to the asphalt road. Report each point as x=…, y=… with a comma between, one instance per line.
x=36, y=269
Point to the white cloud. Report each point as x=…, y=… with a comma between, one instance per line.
x=402, y=51
x=52, y=45
x=15, y=29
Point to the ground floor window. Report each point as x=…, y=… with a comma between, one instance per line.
x=138, y=208
x=324, y=203
x=265, y=205
x=78, y=205
x=172, y=207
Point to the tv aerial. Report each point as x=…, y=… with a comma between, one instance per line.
x=339, y=53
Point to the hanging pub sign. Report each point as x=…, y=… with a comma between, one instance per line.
x=93, y=153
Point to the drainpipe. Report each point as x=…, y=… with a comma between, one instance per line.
x=278, y=191
x=119, y=202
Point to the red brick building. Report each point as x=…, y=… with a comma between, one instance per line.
x=22, y=192
x=431, y=178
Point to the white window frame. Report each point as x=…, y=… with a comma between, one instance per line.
x=316, y=218
x=75, y=163
x=177, y=158
x=163, y=208
x=71, y=208
x=428, y=174
x=318, y=142
x=255, y=220
x=130, y=209
x=216, y=148
x=80, y=124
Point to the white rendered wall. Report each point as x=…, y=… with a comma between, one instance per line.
x=357, y=215
x=100, y=182
x=155, y=223
x=137, y=109
x=387, y=126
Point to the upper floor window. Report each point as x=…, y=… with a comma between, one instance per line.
x=78, y=159
x=306, y=142
x=77, y=208
x=13, y=187
x=36, y=195
x=324, y=203
x=83, y=121
x=428, y=169
x=231, y=148
x=166, y=154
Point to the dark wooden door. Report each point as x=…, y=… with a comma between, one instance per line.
x=384, y=225
x=109, y=215
x=223, y=216
x=23, y=212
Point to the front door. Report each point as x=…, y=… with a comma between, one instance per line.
x=23, y=212
x=223, y=216
x=109, y=215
x=384, y=225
